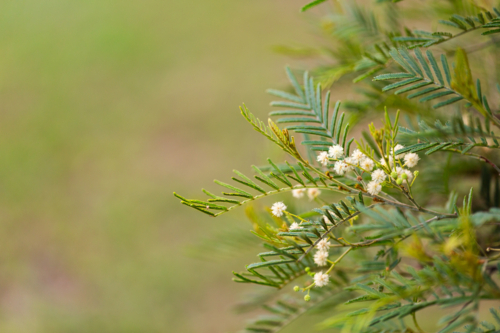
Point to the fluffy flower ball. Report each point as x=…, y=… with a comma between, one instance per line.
x=379, y=176
x=335, y=151
x=374, y=187
x=340, y=168
x=357, y=156
x=278, y=209
x=367, y=164
x=321, y=258
x=321, y=279
x=411, y=160
x=298, y=193
x=312, y=193
x=323, y=158
x=323, y=245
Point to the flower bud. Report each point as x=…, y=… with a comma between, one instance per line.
x=394, y=174
x=416, y=173
x=296, y=288
x=399, y=181
x=307, y=269
x=307, y=298
x=404, y=176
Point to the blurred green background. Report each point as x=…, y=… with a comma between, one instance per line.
x=107, y=107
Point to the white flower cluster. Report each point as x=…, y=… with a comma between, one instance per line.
x=278, y=209
x=410, y=159
x=347, y=164
x=321, y=259
x=298, y=193
x=321, y=256
x=400, y=174
x=336, y=151
x=375, y=186
x=312, y=193
x=365, y=163
x=323, y=158
x=379, y=176
x=321, y=279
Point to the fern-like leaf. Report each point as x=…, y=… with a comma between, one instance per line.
x=311, y=115
x=457, y=88
x=454, y=136
x=485, y=20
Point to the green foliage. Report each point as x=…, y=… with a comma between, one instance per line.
x=285, y=310
x=307, y=103
x=483, y=20
x=312, y=4
x=454, y=136
x=415, y=76
x=388, y=241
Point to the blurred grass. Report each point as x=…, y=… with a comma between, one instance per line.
x=107, y=107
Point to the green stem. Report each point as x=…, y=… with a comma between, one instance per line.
x=300, y=218
x=414, y=316
x=338, y=259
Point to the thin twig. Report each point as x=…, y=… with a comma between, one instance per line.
x=479, y=157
